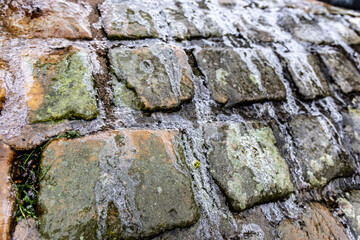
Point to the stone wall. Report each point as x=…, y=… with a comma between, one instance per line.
x=179, y=119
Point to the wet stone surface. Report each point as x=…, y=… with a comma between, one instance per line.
x=115, y=185
x=351, y=125
x=59, y=86
x=46, y=19
x=318, y=151
x=2, y=84
x=315, y=223
x=341, y=69
x=152, y=78
x=147, y=19
x=350, y=205
x=306, y=74
x=240, y=75
x=7, y=201
x=246, y=163
x=26, y=229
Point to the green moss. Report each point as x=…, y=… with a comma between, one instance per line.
x=68, y=88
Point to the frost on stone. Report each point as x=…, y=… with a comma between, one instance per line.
x=148, y=19
x=246, y=163
x=240, y=75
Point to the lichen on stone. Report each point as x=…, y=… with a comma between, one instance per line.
x=62, y=88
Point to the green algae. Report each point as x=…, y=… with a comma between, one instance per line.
x=68, y=90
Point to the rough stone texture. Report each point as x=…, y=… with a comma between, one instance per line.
x=139, y=19
x=7, y=202
x=59, y=86
x=240, y=75
x=316, y=223
x=26, y=229
x=126, y=21
x=46, y=19
x=351, y=207
x=318, y=151
x=246, y=163
x=342, y=70
x=134, y=181
x=351, y=122
x=319, y=31
x=2, y=85
x=307, y=75
x=251, y=224
x=154, y=82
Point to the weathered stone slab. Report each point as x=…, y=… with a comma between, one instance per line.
x=342, y=70
x=318, y=30
x=140, y=19
x=47, y=19
x=316, y=223
x=60, y=85
x=122, y=184
x=246, y=163
x=7, y=201
x=306, y=74
x=318, y=151
x=123, y=20
x=26, y=229
x=352, y=128
x=239, y=75
x=351, y=207
x=159, y=77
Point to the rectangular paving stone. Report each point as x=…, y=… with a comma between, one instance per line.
x=126, y=184
x=240, y=75
x=140, y=19
x=341, y=69
x=307, y=75
x=59, y=85
x=318, y=151
x=47, y=19
x=246, y=163
x=157, y=77
x=7, y=201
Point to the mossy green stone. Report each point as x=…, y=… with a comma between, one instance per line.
x=246, y=163
x=319, y=151
x=68, y=89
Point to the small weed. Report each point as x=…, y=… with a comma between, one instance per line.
x=25, y=174
x=196, y=164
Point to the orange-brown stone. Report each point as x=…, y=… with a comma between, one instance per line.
x=316, y=223
x=7, y=202
x=47, y=19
